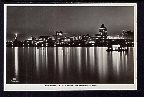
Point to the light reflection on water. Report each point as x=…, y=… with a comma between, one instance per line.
x=69, y=65
x=78, y=54
x=46, y=58
x=37, y=61
x=116, y=63
x=92, y=58
x=16, y=62
x=102, y=64
x=60, y=61
x=55, y=49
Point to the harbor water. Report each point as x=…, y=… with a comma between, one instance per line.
x=68, y=65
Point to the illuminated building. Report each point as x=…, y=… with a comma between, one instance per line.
x=59, y=33
x=16, y=36
x=103, y=30
x=43, y=38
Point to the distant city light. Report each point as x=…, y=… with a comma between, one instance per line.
x=99, y=40
x=15, y=34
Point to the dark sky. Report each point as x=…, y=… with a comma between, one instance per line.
x=36, y=21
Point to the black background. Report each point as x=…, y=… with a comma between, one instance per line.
x=105, y=93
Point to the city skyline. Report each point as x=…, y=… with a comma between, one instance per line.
x=88, y=46
x=36, y=21
x=59, y=39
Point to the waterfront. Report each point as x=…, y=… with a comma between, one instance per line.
x=68, y=65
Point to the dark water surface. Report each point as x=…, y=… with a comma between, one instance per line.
x=68, y=65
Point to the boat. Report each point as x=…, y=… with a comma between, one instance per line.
x=118, y=48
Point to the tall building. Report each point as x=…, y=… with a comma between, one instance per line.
x=103, y=30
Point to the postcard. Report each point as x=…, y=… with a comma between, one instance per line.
x=70, y=47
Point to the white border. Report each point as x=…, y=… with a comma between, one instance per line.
x=42, y=87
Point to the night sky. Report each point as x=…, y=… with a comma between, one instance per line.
x=36, y=21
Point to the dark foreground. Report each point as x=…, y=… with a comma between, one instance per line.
x=68, y=65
